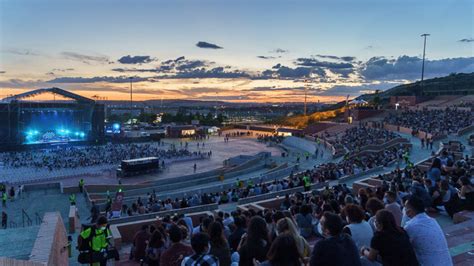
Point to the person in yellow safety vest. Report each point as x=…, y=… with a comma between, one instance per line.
x=250, y=183
x=98, y=242
x=4, y=199
x=406, y=157
x=306, y=183
x=81, y=185
x=72, y=199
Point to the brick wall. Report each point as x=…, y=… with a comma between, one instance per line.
x=50, y=242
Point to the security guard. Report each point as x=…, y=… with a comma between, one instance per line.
x=98, y=242
x=81, y=185
x=306, y=183
x=72, y=199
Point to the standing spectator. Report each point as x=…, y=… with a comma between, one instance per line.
x=139, y=243
x=358, y=228
x=390, y=242
x=426, y=235
x=283, y=252
x=337, y=249
x=95, y=212
x=200, y=244
x=219, y=246
x=177, y=251
x=254, y=244
x=4, y=220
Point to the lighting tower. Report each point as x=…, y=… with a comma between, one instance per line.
x=423, y=64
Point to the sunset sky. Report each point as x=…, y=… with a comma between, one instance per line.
x=248, y=50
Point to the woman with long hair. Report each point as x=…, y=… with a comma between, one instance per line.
x=283, y=252
x=219, y=245
x=254, y=244
x=155, y=247
x=390, y=242
x=286, y=226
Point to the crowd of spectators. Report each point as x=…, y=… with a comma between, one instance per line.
x=76, y=157
x=436, y=122
x=243, y=189
x=352, y=139
x=372, y=227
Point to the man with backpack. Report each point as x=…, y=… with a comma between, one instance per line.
x=93, y=243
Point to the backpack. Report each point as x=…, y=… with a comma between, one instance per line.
x=84, y=244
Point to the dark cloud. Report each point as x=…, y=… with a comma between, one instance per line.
x=311, y=62
x=217, y=72
x=409, y=67
x=179, y=58
x=2, y=72
x=288, y=72
x=279, y=51
x=138, y=59
x=16, y=51
x=119, y=79
x=62, y=69
x=467, y=40
x=87, y=59
x=266, y=57
x=334, y=57
x=277, y=66
x=207, y=45
x=190, y=64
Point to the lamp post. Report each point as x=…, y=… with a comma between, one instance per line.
x=423, y=63
x=131, y=99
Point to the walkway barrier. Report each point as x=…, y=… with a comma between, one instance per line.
x=151, y=215
x=279, y=193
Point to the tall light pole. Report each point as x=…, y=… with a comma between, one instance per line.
x=305, y=94
x=131, y=99
x=423, y=63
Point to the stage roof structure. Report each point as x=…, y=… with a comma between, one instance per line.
x=64, y=93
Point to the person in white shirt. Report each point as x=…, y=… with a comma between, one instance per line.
x=426, y=236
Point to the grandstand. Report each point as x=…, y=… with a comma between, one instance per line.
x=249, y=176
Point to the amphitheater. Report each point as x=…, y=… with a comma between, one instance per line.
x=43, y=227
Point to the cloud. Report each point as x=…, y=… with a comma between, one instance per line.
x=190, y=64
x=277, y=66
x=3, y=72
x=207, y=45
x=279, y=51
x=467, y=40
x=288, y=72
x=311, y=62
x=343, y=90
x=334, y=57
x=270, y=89
x=138, y=59
x=86, y=59
x=409, y=67
x=62, y=69
x=266, y=57
x=119, y=79
x=16, y=51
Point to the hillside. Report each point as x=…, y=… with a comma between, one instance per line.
x=454, y=84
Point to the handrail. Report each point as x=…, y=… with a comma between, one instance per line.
x=13, y=224
x=38, y=219
x=24, y=215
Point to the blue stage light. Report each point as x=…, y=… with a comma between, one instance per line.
x=82, y=134
x=77, y=133
x=116, y=126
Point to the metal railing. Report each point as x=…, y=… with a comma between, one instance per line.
x=25, y=217
x=38, y=219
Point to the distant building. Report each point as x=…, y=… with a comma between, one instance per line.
x=181, y=131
